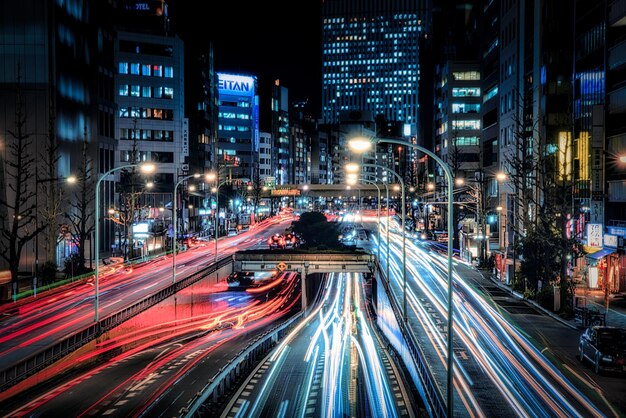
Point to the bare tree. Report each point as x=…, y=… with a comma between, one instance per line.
x=51, y=212
x=81, y=215
x=132, y=188
x=19, y=224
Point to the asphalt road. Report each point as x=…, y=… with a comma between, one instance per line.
x=331, y=364
x=40, y=322
x=159, y=369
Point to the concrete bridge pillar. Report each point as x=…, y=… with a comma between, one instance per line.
x=303, y=285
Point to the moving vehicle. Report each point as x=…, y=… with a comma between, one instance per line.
x=604, y=347
x=291, y=241
x=232, y=232
x=276, y=241
x=240, y=279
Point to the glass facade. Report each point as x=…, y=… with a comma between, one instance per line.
x=370, y=59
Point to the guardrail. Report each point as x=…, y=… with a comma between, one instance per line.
x=241, y=363
x=435, y=399
x=45, y=357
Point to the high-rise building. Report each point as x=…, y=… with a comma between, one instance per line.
x=62, y=55
x=265, y=158
x=238, y=126
x=282, y=159
x=371, y=59
x=151, y=108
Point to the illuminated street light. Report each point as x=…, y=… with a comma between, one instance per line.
x=145, y=168
x=501, y=176
x=352, y=168
x=362, y=144
x=459, y=181
x=71, y=179
x=622, y=159
x=149, y=185
x=430, y=186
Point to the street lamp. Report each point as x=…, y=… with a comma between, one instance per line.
x=175, y=216
x=363, y=179
x=403, y=232
x=216, y=190
x=146, y=168
x=362, y=144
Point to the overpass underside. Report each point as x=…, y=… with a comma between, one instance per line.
x=305, y=263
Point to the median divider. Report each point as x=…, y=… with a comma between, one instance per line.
x=420, y=371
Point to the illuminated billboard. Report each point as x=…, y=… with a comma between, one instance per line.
x=240, y=85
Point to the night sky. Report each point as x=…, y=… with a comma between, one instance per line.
x=285, y=45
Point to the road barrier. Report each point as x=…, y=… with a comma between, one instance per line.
x=424, y=380
x=45, y=357
x=239, y=365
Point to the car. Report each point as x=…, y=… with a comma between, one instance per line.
x=291, y=241
x=276, y=241
x=240, y=279
x=604, y=347
x=232, y=232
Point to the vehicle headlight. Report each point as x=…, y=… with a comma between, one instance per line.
x=607, y=358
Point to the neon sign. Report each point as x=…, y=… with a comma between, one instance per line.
x=235, y=84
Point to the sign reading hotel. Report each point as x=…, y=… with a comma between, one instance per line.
x=235, y=84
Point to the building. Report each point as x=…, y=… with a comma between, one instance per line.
x=265, y=159
x=151, y=109
x=282, y=160
x=371, y=59
x=62, y=55
x=600, y=141
x=238, y=126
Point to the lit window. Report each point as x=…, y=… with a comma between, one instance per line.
x=123, y=68
x=146, y=91
x=158, y=92
x=466, y=75
x=169, y=72
x=157, y=70
x=168, y=92
x=490, y=93
x=134, y=68
x=145, y=69
x=123, y=90
x=134, y=91
x=465, y=91
x=465, y=108
x=465, y=124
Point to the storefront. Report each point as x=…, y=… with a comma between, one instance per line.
x=603, y=270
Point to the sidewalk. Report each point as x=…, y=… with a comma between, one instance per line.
x=615, y=317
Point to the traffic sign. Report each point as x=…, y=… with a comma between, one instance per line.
x=281, y=266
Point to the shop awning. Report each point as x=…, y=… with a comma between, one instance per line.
x=602, y=253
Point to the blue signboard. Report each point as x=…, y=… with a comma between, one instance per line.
x=240, y=85
x=617, y=230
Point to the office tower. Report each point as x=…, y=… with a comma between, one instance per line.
x=238, y=126
x=282, y=159
x=371, y=59
x=62, y=54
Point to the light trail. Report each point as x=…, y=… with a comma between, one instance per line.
x=523, y=377
x=325, y=339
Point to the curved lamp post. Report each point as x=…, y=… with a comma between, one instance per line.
x=362, y=144
x=399, y=177
x=364, y=180
x=216, y=190
x=146, y=168
x=208, y=177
